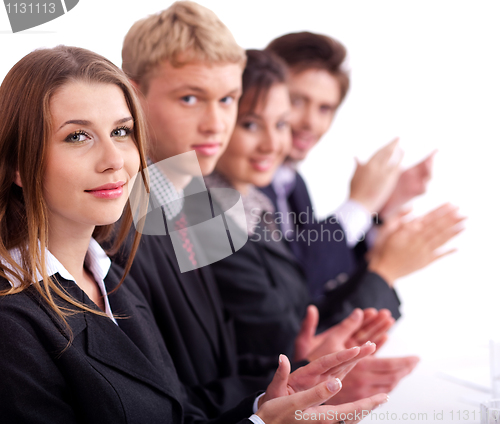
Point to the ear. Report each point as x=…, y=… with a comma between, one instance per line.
x=136, y=85
x=17, y=179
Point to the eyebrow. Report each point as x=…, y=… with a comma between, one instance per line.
x=201, y=90
x=250, y=115
x=87, y=123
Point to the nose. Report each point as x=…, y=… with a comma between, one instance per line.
x=308, y=118
x=110, y=155
x=213, y=119
x=271, y=141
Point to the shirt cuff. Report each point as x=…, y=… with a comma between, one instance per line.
x=256, y=419
x=355, y=219
x=256, y=403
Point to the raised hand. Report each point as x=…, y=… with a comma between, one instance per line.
x=333, y=365
x=415, y=244
x=411, y=183
x=288, y=408
x=374, y=375
x=374, y=181
x=356, y=329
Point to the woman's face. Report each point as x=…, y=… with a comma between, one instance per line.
x=260, y=141
x=91, y=156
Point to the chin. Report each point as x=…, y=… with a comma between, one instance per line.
x=207, y=165
x=107, y=218
x=263, y=181
x=297, y=155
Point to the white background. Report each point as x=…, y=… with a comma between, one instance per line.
x=427, y=71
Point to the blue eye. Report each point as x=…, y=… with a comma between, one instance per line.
x=77, y=137
x=228, y=100
x=189, y=100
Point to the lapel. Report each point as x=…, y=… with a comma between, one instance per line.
x=269, y=192
x=279, y=248
x=133, y=346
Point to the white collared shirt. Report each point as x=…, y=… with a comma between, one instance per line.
x=96, y=260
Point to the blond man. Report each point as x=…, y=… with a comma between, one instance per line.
x=187, y=67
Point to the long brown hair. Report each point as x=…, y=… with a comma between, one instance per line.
x=24, y=134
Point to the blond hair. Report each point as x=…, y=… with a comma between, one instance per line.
x=183, y=33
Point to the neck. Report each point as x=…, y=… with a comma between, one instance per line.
x=70, y=248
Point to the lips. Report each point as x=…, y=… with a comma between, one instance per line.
x=207, y=149
x=303, y=141
x=263, y=165
x=108, y=191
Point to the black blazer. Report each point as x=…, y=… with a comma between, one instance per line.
x=198, y=334
x=263, y=288
x=108, y=374
x=336, y=275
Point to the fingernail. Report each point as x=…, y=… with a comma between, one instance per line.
x=368, y=343
x=334, y=385
x=355, y=314
x=281, y=358
x=384, y=401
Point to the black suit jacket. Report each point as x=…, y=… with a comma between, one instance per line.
x=263, y=288
x=108, y=374
x=336, y=275
x=198, y=334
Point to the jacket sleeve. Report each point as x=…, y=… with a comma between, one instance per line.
x=363, y=290
x=32, y=389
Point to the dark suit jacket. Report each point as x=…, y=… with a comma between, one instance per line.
x=109, y=373
x=198, y=334
x=336, y=275
x=263, y=288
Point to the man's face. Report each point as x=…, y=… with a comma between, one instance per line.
x=315, y=96
x=192, y=107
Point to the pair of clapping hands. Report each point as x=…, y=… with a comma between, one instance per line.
x=342, y=353
x=402, y=245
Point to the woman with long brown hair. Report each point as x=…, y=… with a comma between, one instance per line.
x=71, y=143
x=78, y=343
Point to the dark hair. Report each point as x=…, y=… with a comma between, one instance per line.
x=262, y=71
x=306, y=50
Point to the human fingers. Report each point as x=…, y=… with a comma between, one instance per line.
x=369, y=314
x=336, y=364
x=444, y=234
x=284, y=409
x=366, y=350
x=385, y=152
x=384, y=365
x=279, y=384
x=427, y=164
x=441, y=210
x=379, y=324
x=348, y=326
x=304, y=341
x=351, y=412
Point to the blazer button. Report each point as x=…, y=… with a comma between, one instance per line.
x=335, y=282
